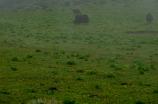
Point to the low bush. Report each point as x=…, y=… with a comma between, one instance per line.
x=38, y=50
x=29, y=56
x=15, y=59
x=31, y=90
x=79, y=78
x=92, y=72
x=68, y=101
x=139, y=102
x=155, y=90
x=71, y=63
x=13, y=68
x=4, y=92
x=97, y=86
x=110, y=75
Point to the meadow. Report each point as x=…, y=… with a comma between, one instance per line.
x=98, y=63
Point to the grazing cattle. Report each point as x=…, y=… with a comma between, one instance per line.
x=76, y=11
x=149, y=17
x=81, y=19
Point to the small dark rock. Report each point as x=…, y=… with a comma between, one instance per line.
x=80, y=71
x=123, y=83
x=52, y=88
x=93, y=96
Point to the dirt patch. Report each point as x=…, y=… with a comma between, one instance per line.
x=141, y=32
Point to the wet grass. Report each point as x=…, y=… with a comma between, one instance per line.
x=94, y=63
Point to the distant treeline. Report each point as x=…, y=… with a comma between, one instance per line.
x=45, y=4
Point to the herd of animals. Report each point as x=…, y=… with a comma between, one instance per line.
x=83, y=18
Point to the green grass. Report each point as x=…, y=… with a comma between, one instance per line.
x=40, y=48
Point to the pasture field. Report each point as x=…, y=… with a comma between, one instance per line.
x=112, y=60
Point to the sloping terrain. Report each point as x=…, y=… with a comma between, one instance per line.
x=45, y=58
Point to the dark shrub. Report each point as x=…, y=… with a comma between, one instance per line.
x=139, y=102
x=71, y=63
x=92, y=72
x=97, y=86
x=29, y=56
x=155, y=90
x=79, y=78
x=15, y=59
x=13, y=68
x=38, y=50
x=68, y=101
x=31, y=90
x=4, y=92
x=110, y=75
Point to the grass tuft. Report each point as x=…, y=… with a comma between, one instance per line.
x=14, y=59
x=155, y=90
x=30, y=90
x=5, y=92
x=79, y=78
x=97, y=86
x=92, y=72
x=110, y=75
x=13, y=68
x=71, y=63
x=139, y=102
x=68, y=101
x=29, y=56
x=38, y=50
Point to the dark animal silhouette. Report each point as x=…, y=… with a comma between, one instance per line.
x=149, y=17
x=81, y=19
x=76, y=11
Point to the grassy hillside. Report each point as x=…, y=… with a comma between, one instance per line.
x=98, y=63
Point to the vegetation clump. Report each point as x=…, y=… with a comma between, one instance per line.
x=15, y=59
x=30, y=90
x=13, y=68
x=5, y=92
x=79, y=78
x=92, y=72
x=139, y=102
x=51, y=92
x=62, y=52
x=155, y=90
x=138, y=62
x=83, y=57
x=68, y=101
x=55, y=72
x=29, y=56
x=71, y=63
x=142, y=68
x=38, y=50
x=113, y=63
x=110, y=75
x=97, y=86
